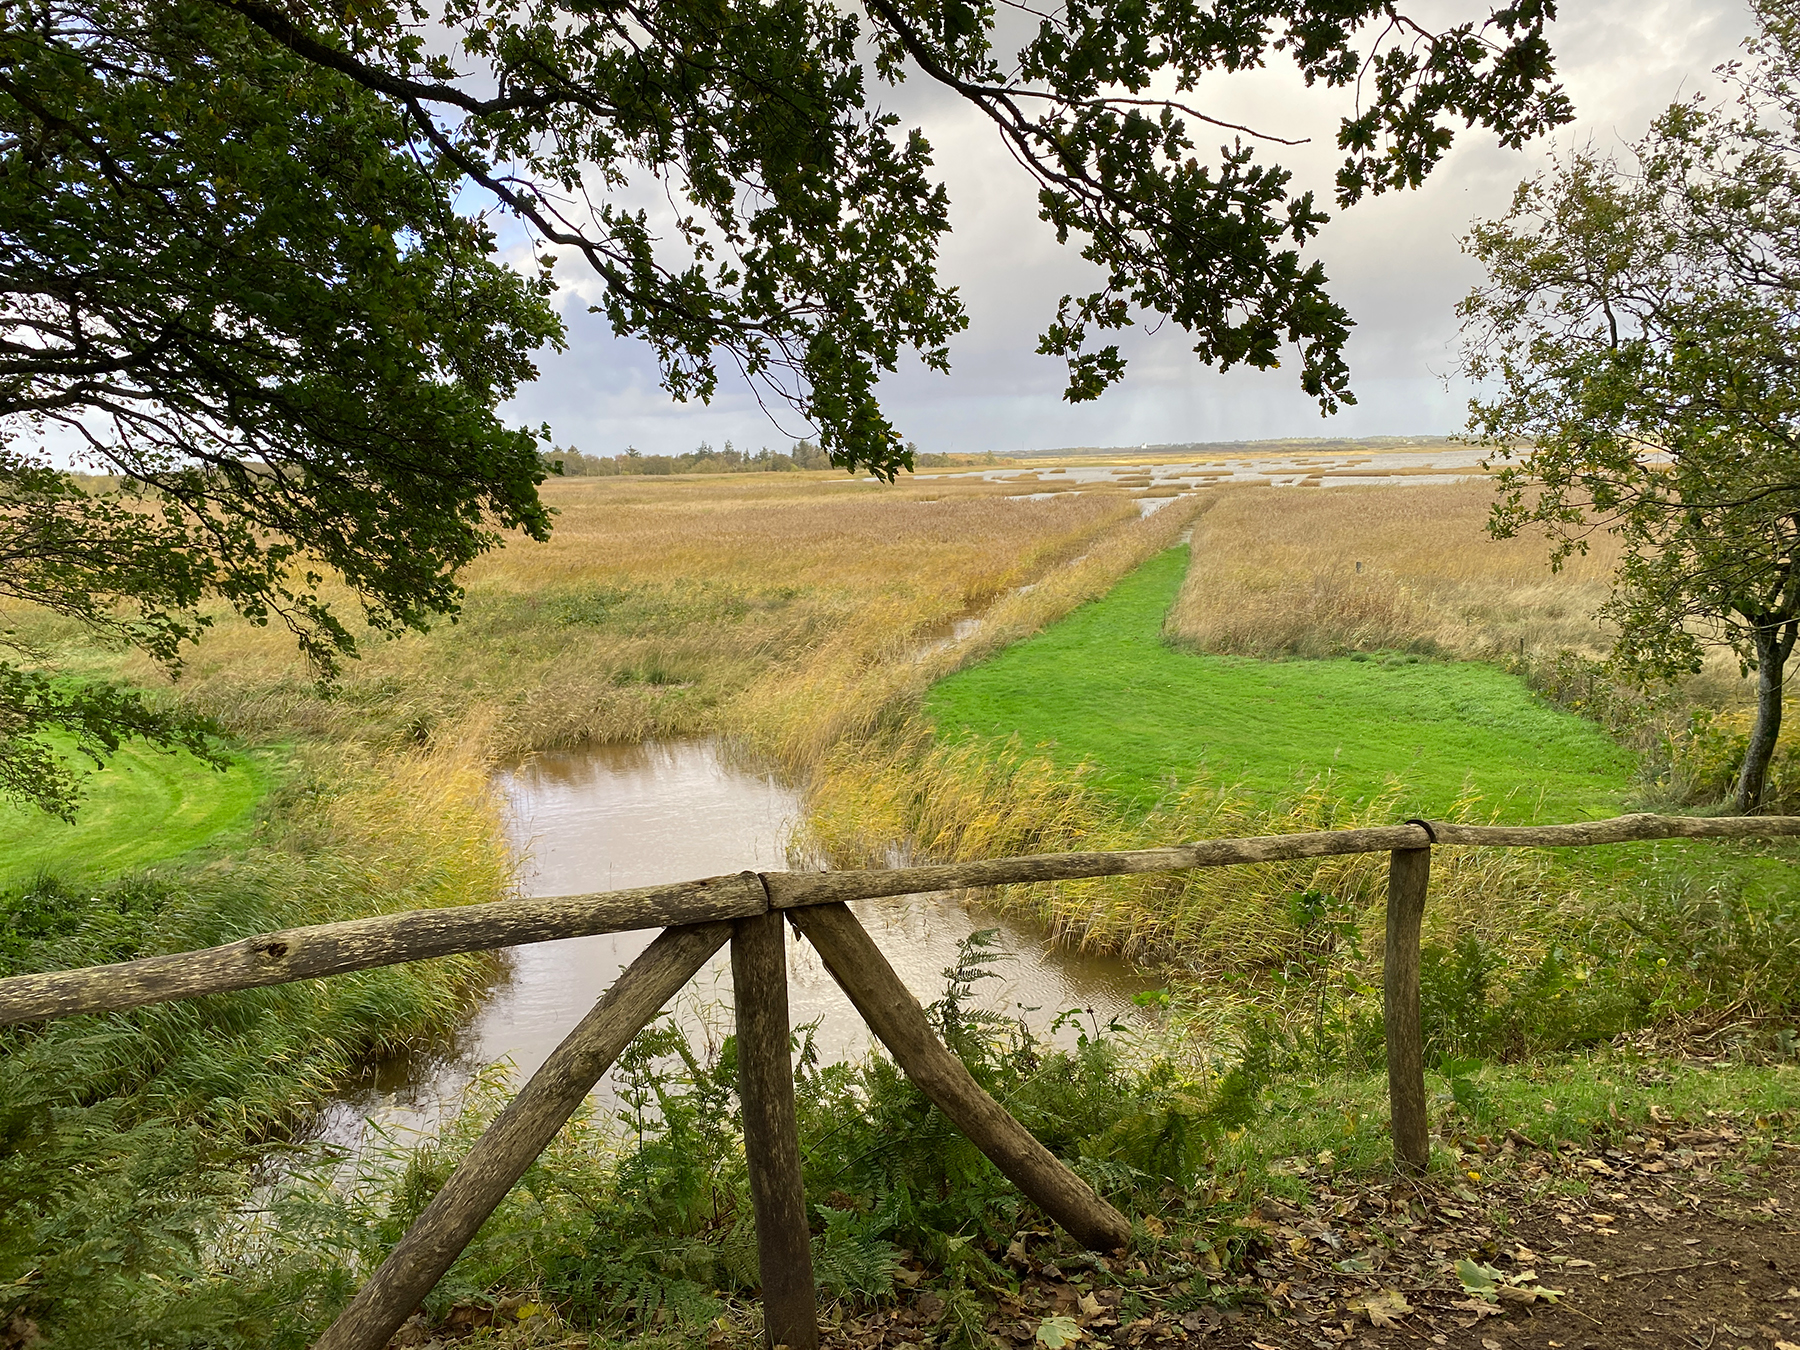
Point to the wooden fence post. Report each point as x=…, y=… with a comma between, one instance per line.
x=518, y=1134
x=894, y=1015
x=1409, y=874
x=771, y=1136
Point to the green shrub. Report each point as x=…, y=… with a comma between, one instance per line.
x=1708, y=755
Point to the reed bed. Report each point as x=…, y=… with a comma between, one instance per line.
x=1364, y=569
x=740, y=606
x=965, y=800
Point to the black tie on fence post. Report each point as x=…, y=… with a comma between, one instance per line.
x=771, y=1134
x=1409, y=874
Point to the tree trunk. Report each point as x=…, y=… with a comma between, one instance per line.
x=1772, y=647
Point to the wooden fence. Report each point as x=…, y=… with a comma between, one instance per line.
x=748, y=910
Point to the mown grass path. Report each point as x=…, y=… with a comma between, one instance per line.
x=1104, y=686
x=144, y=807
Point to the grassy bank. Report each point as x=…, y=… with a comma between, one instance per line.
x=1105, y=688
x=131, y=1144
x=1099, y=733
x=1110, y=731
x=144, y=807
x=1413, y=571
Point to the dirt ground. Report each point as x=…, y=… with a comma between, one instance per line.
x=1683, y=1238
x=1677, y=1235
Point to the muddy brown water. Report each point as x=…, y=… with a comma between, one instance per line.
x=615, y=816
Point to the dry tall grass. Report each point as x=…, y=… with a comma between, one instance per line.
x=873, y=674
x=1279, y=573
x=776, y=610
x=969, y=800
x=779, y=611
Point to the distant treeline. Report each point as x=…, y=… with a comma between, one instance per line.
x=804, y=455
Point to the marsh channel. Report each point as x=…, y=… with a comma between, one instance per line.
x=607, y=817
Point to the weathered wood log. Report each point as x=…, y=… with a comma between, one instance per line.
x=519, y=1133
x=771, y=1134
x=333, y=949
x=1409, y=877
x=894, y=1015
x=1618, y=830
x=359, y=944
x=792, y=890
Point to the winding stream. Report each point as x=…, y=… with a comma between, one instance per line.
x=613, y=816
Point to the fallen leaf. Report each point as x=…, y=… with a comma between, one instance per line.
x=1088, y=1306
x=1056, y=1332
x=1477, y=1278
x=1384, y=1308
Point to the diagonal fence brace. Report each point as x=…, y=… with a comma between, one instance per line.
x=894, y=1015
x=519, y=1134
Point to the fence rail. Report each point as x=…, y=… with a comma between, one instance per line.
x=747, y=910
x=417, y=935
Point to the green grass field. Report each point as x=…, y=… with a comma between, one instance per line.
x=145, y=806
x=1103, y=686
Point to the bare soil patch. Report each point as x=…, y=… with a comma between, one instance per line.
x=1681, y=1234
x=1678, y=1234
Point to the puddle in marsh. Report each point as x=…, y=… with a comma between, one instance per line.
x=609, y=817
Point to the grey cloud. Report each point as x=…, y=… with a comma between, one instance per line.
x=1395, y=263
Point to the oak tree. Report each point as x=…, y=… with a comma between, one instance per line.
x=248, y=271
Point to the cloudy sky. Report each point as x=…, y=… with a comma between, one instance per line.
x=1394, y=261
